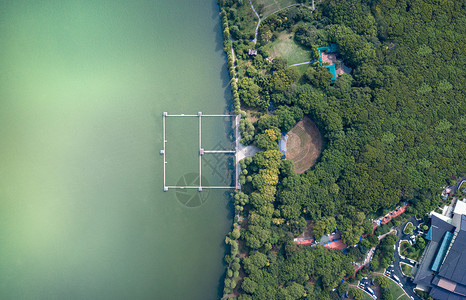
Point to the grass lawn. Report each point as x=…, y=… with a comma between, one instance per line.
x=367, y=297
x=302, y=68
x=286, y=47
x=406, y=269
x=396, y=291
x=266, y=7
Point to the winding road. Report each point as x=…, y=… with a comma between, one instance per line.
x=408, y=285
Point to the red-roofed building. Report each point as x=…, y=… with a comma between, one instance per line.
x=303, y=241
x=398, y=211
x=336, y=245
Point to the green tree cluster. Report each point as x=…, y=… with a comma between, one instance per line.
x=394, y=131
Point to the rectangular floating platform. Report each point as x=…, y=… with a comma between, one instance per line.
x=200, y=187
x=198, y=115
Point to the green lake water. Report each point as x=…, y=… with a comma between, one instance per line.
x=83, y=85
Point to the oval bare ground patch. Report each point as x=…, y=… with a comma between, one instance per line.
x=304, y=145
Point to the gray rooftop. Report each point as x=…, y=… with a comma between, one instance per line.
x=450, y=283
x=454, y=265
x=439, y=227
x=424, y=274
x=438, y=293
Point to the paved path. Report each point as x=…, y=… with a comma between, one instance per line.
x=300, y=64
x=245, y=151
x=258, y=23
x=393, y=230
x=234, y=61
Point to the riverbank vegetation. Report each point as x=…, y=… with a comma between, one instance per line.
x=394, y=131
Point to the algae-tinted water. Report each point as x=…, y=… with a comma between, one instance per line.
x=83, y=85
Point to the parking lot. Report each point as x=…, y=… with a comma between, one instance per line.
x=367, y=285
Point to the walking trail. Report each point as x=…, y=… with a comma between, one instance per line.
x=299, y=64
x=260, y=20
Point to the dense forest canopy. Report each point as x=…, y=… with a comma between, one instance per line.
x=395, y=129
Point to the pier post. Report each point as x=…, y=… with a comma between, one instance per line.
x=200, y=147
x=237, y=119
x=164, y=161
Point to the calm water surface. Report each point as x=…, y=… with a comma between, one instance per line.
x=83, y=85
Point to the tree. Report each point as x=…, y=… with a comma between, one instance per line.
x=264, y=141
x=343, y=288
x=420, y=243
x=351, y=235
x=235, y=234
x=249, y=94
x=374, y=264
x=390, y=134
x=306, y=35
x=382, y=281
x=354, y=48
x=255, y=261
x=288, y=117
x=279, y=63
x=281, y=81
x=357, y=294
x=247, y=129
x=318, y=76
x=409, y=228
x=248, y=285
x=367, y=227
x=235, y=266
x=294, y=291
x=269, y=159
x=319, y=229
x=386, y=295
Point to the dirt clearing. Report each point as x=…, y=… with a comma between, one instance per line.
x=304, y=145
